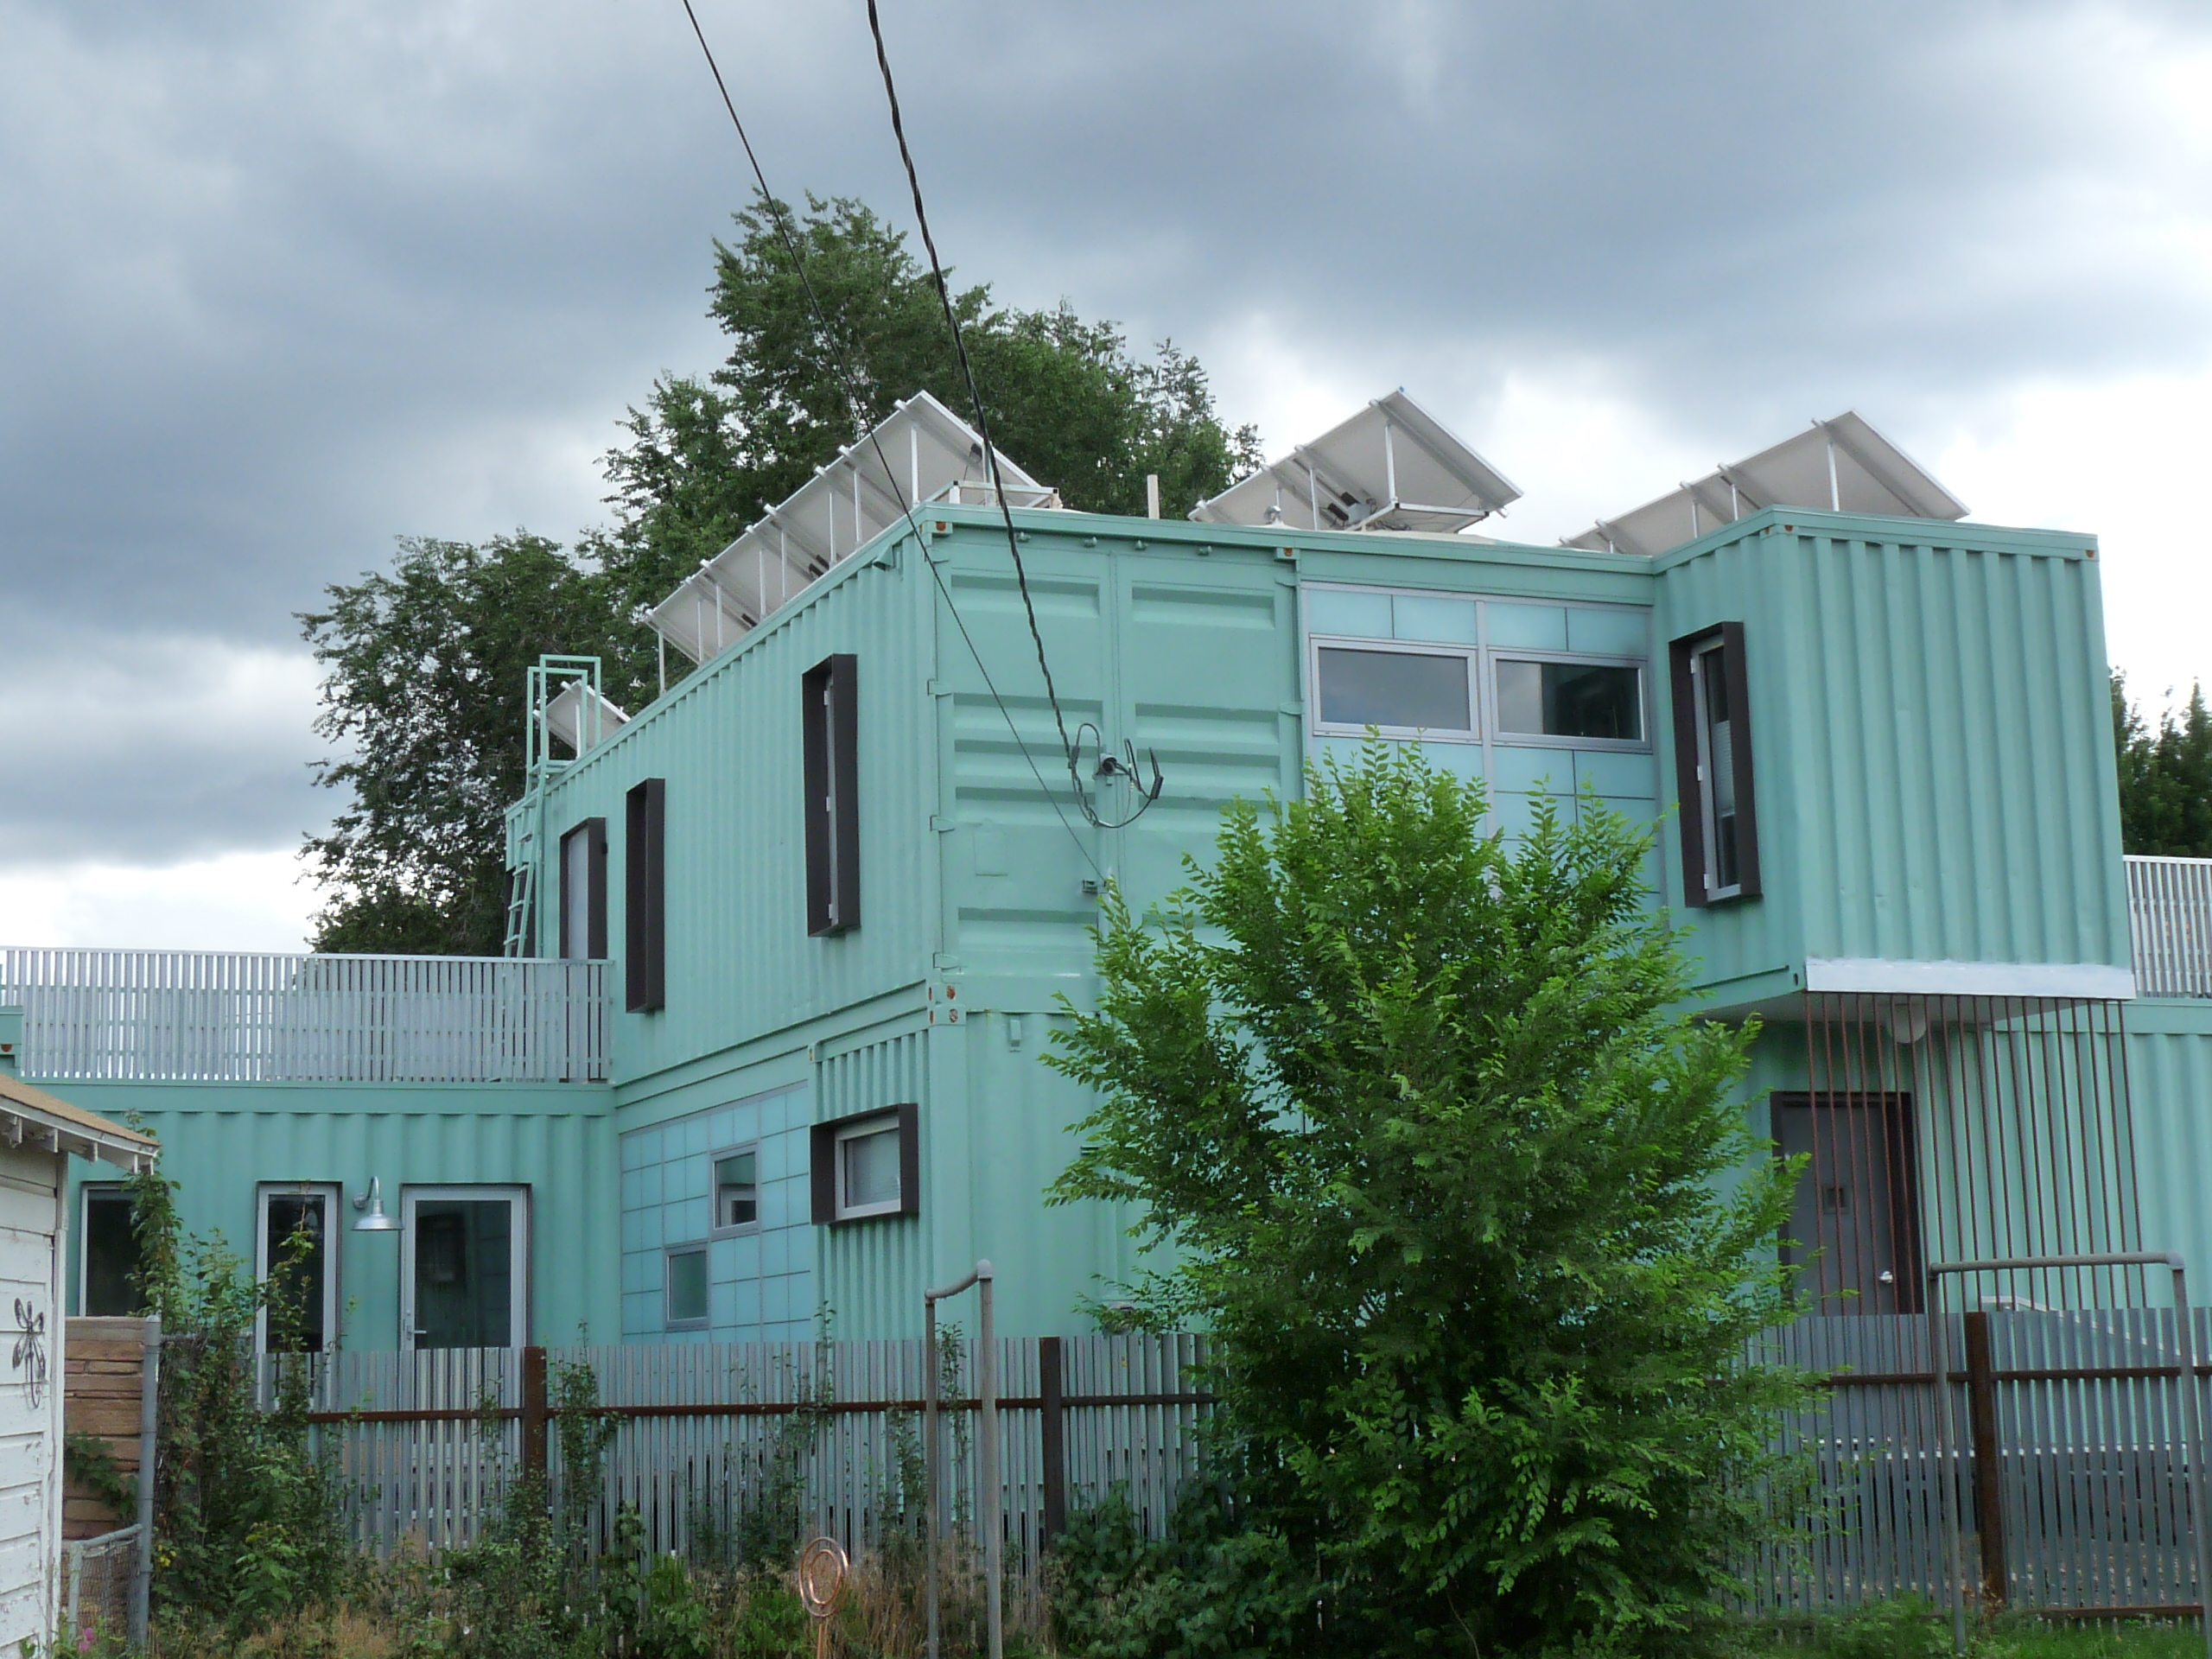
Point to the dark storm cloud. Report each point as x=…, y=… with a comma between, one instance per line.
x=283, y=281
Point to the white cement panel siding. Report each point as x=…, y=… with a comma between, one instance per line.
x=30, y=1395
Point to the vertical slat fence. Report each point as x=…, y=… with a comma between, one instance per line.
x=198, y=1016
x=717, y=1447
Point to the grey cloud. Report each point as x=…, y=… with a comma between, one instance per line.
x=148, y=750
x=283, y=281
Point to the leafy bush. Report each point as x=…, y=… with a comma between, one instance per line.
x=1472, y=1213
x=1210, y=1589
x=250, y=1523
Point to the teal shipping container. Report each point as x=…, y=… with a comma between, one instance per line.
x=830, y=893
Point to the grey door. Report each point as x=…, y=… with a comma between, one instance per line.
x=1855, y=1223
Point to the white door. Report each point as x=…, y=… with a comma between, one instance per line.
x=30, y=1391
x=464, y=1267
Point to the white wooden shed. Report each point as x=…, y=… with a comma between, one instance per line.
x=39, y=1135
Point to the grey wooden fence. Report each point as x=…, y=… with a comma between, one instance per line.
x=2070, y=1481
x=2067, y=1464
x=823, y=1436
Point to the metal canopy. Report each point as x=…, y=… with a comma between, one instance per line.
x=927, y=454
x=1843, y=465
x=1393, y=466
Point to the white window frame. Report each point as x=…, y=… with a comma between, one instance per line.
x=330, y=1192
x=668, y=1319
x=1708, y=808
x=1497, y=654
x=1470, y=655
x=85, y=1196
x=517, y=1245
x=736, y=1229
x=878, y=1124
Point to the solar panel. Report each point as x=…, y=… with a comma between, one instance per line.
x=581, y=718
x=1393, y=466
x=921, y=452
x=1843, y=465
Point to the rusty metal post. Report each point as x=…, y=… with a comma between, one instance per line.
x=1051, y=1438
x=535, y=1412
x=1989, y=1464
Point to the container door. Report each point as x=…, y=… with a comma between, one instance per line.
x=1855, y=1225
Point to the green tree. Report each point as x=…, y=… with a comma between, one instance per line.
x=1066, y=400
x=2165, y=776
x=425, y=667
x=425, y=686
x=1474, y=1219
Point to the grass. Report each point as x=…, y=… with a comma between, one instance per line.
x=1912, y=1628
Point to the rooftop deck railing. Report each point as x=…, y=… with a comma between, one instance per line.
x=2169, y=909
x=201, y=1016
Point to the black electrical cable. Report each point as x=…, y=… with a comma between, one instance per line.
x=847, y=380
x=990, y=455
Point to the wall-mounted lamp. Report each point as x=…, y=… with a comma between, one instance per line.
x=372, y=1201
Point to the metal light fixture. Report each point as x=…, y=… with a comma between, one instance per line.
x=375, y=1220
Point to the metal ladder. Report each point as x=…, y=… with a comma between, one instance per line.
x=522, y=894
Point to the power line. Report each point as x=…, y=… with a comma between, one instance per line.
x=1106, y=763
x=848, y=380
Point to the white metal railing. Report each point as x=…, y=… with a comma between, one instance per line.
x=2169, y=912
x=203, y=1016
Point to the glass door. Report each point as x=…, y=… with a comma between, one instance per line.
x=294, y=1254
x=464, y=1269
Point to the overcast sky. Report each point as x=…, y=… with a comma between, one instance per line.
x=280, y=281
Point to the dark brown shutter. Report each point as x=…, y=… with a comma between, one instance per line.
x=1740, y=715
x=595, y=895
x=821, y=1171
x=829, y=692
x=1690, y=809
x=909, y=1159
x=644, y=909
x=1689, y=799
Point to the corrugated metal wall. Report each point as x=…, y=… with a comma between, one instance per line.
x=728, y=740
x=872, y=1271
x=220, y=1140
x=2170, y=1077
x=1934, y=754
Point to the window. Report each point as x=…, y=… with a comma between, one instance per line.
x=687, y=1287
x=867, y=1165
x=1601, y=702
x=1713, y=767
x=304, y=1292
x=464, y=1267
x=1404, y=690
x=645, y=896
x=107, y=1254
x=868, y=1171
x=584, y=892
x=828, y=696
x=737, y=1190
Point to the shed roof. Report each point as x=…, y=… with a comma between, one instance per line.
x=32, y=1115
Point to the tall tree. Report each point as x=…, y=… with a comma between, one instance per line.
x=426, y=674
x=1065, y=397
x=1472, y=1215
x=2165, y=776
x=425, y=665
